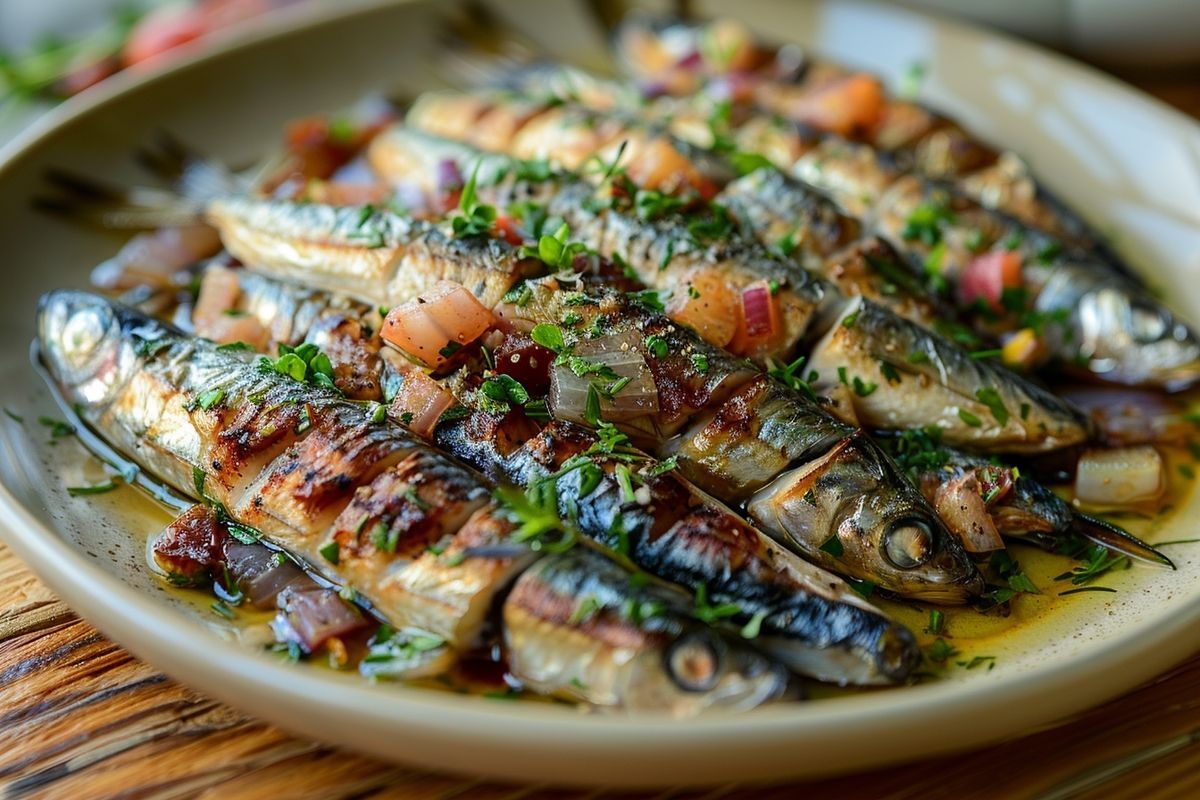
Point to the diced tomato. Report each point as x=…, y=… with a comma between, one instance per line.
x=846, y=106
x=507, y=229
x=987, y=276
x=163, y=29
x=519, y=357
x=87, y=75
x=653, y=162
x=437, y=324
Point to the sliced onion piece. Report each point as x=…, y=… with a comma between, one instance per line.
x=1120, y=477
x=986, y=277
x=312, y=616
x=594, y=364
x=435, y=325
x=420, y=402
x=961, y=503
x=758, y=319
x=261, y=574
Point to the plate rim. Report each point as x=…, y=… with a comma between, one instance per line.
x=1141, y=653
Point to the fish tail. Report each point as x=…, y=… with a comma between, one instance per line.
x=1118, y=540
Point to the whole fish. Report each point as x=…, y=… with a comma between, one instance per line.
x=1113, y=329
x=982, y=500
x=568, y=623
x=709, y=275
x=360, y=501
x=939, y=571
x=837, y=102
x=809, y=619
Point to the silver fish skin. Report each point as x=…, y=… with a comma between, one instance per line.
x=1153, y=346
x=782, y=213
x=734, y=432
x=361, y=251
x=308, y=469
x=575, y=620
x=1096, y=319
x=809, y=619
x=664, y=254
x=951, y=577
x=904, y=376
x=918, y=138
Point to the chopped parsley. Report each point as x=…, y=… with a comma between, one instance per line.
x=305, y=364
x=330, y=552
x=791, y=375
x=555, y=250
x=991, y=398
x=657, y=346
x=99, y=488
x=475, y=219
x=833, y=546
x=648, y=299
x=58, y=428
x=709, y=613
x=940, y=651
x=925, y=223
x=753, y=628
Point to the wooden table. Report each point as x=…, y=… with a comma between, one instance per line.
x=81, y=719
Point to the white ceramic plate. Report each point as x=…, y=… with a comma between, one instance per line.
x=1125, y=160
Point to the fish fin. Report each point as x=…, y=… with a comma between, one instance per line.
x=87, y=200
x=1118, y=540
x=193, y=175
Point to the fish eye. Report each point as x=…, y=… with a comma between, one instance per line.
x=694, y=663
x=1147, y=323
x=909, y=544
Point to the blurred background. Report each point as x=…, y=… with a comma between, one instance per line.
x=52, y=49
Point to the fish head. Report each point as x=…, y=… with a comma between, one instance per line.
x=698, y=668
x=88, y=345
x=574, y=625
x=1121, y=333
x=857, y=515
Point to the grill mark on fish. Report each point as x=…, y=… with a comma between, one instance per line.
x=88, y=346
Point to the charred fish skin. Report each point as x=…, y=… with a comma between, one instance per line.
x=279, y=456
x=809, y=619
x=869, y=184
x=808, y=616
x=760, y=428
x=407, y=494
x=1095, y=317
x=905, y=376
x=638, y=644
x=879, y=350
x=787, y=216
x=875, y=535
x=919, y=138
x=364, y=252
x=767, y=433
